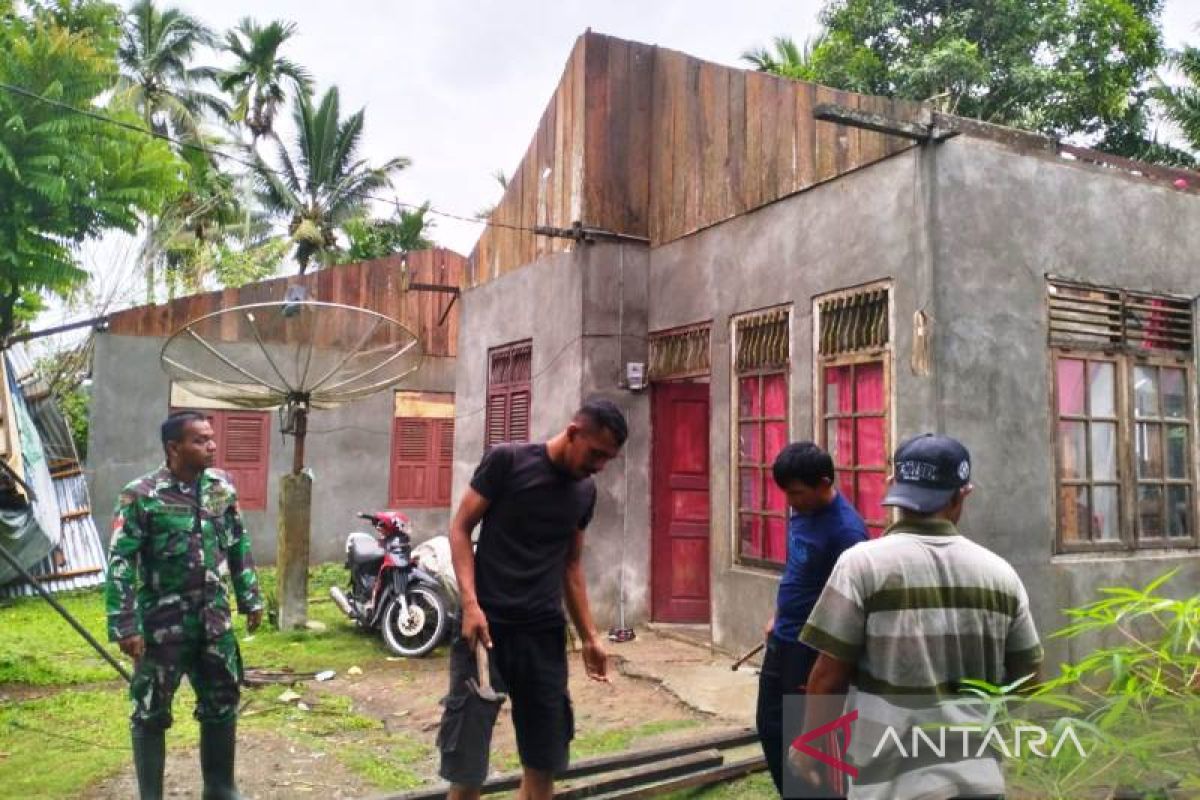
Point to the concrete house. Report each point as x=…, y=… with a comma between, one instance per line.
x=390, y=450
x=853, y=281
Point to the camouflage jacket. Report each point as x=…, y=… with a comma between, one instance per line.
x=166, y=555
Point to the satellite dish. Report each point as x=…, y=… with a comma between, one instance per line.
x=293, y=355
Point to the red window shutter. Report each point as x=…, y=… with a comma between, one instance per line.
x=411, y=448
x=508, y=395
x=518, y=416
x=244, y=451
x=444, y=466
x=497, y=419
x=446, y=440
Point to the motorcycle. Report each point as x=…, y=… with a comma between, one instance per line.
x=391, y=590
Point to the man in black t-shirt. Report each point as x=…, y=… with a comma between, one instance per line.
x=534, y=501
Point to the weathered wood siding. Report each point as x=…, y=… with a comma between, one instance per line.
x=375, y=285
x=651, y=142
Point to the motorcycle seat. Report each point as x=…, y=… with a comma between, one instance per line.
x=364, y=551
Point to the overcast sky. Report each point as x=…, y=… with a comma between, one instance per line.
x=458, y=86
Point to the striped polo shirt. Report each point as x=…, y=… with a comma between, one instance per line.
x=916, y=611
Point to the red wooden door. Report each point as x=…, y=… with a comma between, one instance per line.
x=680, y=508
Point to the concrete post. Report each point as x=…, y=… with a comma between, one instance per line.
x=295, y=510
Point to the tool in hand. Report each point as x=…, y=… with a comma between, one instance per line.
x=751, y=654
x=482, y=687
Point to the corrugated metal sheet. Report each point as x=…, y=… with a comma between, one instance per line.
x=79, y=560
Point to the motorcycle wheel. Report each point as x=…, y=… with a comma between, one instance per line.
x=424, y=627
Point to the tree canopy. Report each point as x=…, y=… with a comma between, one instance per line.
x=1060, y=67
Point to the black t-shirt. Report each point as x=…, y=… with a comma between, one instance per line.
x=533, y=512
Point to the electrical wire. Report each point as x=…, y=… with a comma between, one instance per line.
x=257, y=166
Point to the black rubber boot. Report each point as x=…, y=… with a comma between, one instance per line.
x=149, y=759
x=218, y=743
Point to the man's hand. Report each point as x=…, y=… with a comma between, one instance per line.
x=253, y=620
x=807, y=768
x=133, y=646
x=595, y=659
x=769, y=627
x=475, y=626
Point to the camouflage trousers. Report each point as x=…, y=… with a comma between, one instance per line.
x=213, y=668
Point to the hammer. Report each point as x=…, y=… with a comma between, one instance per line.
x=483, y=687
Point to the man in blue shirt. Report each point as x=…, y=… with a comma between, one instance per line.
x=822, y=526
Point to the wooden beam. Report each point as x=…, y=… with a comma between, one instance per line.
x=871, y=121
x=99, y=323
x=74, y=573
x=648, y=773
x=594, y=766
x=719, y=774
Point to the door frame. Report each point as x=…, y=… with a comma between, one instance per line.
x=655, y=387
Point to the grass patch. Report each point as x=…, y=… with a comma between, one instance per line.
x=360, y=743
x=758, y=786
x=596, y=743
x=88, y=730
x=42, y=649
x=382, y=760
x=341, y=645
x=54, y=747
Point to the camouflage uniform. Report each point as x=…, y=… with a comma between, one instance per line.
x=174, y=548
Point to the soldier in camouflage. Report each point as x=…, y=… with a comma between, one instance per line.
x=168, y=608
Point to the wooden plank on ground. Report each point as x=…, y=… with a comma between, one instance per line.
x=695, y=780
x=601, y=764
x=648, y=773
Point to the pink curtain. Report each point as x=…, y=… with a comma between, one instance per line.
x=839, y=394
x=750, y=536
x=1070, y=386
x=748, y=398
x=868, y=387
x=776, y=544
x=775, y=395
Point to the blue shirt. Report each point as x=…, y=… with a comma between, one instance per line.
x=815, y=541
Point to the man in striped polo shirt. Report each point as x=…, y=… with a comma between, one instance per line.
x=903, y=620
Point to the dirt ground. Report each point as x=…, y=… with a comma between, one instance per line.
x=403, y=695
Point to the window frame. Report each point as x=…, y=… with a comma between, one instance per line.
x=436, y=459
x=881, y=356
x=1125, y=361
x=507, y=389
x=763, y=468
x=880, y=351
x=1158, y=362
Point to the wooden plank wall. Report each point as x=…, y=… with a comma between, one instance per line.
x=655, y=143
x=726, y=141
x=374, y=285
x=545, y=189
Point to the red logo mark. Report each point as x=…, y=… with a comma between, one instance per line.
x=843, y=722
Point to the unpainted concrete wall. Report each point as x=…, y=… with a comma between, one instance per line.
x=861, y=228
x=348, y=448
x=569, y=305
x=1003, y=222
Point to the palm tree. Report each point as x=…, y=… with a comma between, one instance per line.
x=405, y=231
x=157, y=77
x=211, y=214
x=322, y=183
x=1181, y=104
x=261, y=75
x=786, y=59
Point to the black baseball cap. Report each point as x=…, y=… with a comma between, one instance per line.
x=928, y=470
